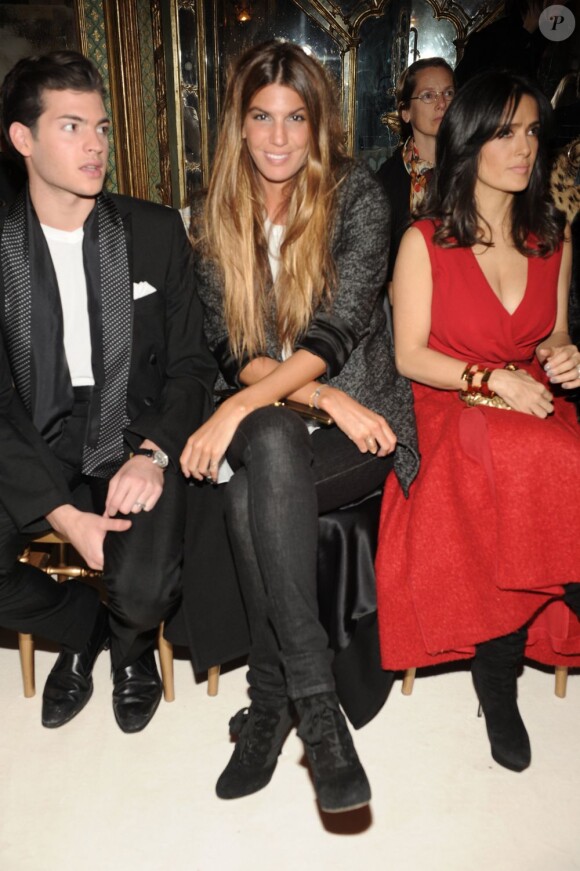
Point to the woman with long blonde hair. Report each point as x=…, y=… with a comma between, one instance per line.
x=291, y=265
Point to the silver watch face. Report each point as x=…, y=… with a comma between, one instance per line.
x=160, y=459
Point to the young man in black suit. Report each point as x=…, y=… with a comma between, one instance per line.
x=104, y=373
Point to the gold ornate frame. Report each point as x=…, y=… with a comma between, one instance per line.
x=124, y=53
x=464, y=24
x=124, y=61
x=81, y=25
x=180, y=90
x=124, y=56
x=344, y=30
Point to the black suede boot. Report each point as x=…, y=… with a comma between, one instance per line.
x=495, y=670
x=339, y=779
x=261, y=731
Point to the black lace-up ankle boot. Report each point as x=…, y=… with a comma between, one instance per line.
x=261, y=732
x=495, y=671
x=339, y=779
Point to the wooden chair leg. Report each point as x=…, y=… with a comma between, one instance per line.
x=408, y=681
x=213, y=679
x=26, y=647
x=561, y=681
x=166, y=661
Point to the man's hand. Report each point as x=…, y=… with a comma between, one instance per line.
x=85, y=531
x=136, y=487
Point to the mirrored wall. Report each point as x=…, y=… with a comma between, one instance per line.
x=366, y=44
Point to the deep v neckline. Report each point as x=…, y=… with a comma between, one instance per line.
x=492, y=291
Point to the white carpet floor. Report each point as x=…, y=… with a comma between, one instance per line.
x=86, y=797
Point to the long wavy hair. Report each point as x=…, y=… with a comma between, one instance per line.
x=481, y=110
x=234, y=215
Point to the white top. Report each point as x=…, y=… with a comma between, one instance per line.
x=66, y=250
x=275, y=234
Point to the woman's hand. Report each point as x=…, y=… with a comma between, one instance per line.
x=207, y=445
x=522, y=392
x=369, y=431
x=562, y=365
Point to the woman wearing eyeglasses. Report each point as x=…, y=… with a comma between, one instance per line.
x=423, y=94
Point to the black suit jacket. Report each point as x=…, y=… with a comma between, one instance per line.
x=171, y=375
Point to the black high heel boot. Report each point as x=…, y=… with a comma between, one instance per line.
x=339, y=778
x=495, y=670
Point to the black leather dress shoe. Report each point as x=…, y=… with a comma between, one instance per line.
x=69, y=685
x=136, y=693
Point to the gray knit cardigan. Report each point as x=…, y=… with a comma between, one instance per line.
x=352, y=336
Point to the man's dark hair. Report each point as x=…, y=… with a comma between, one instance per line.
x=21, y=94
x=482, y=110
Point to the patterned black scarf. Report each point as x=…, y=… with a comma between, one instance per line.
x=34, y=328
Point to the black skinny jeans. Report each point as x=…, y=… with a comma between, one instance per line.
x=284, y=478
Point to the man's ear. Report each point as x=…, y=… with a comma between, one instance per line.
x=21, y=137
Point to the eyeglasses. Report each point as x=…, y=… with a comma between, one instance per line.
x=431, y=96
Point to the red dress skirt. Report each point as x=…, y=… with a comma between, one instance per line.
x=490, y=533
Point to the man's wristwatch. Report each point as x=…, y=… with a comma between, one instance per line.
x=158, y=458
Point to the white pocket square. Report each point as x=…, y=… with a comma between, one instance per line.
x=143, y=288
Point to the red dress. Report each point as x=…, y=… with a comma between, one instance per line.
x=491, y=530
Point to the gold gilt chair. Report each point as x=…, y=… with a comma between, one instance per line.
x=560, y=688
x=61, y=571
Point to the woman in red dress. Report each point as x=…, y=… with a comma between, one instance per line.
x=483, y=559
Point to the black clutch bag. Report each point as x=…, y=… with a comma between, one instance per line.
x=307, y=412
x=316, y=415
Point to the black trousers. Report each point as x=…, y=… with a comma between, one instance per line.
x=142, y=569
x=284, y=479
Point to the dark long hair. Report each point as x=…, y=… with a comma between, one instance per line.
x=483, y=106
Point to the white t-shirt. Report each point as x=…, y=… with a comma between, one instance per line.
x=66, y=250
